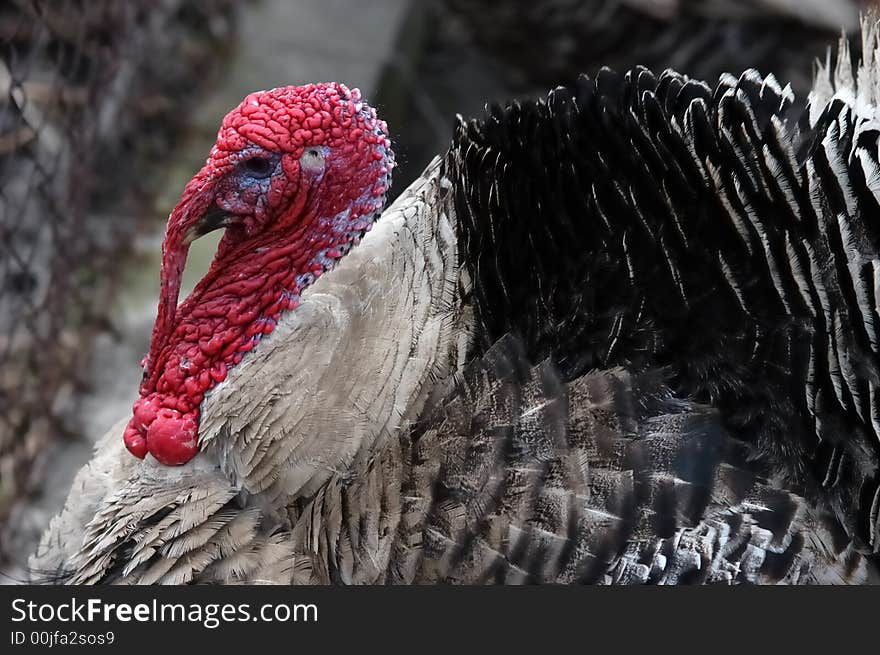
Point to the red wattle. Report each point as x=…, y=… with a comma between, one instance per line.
x=134, y=441
x=333, y=159
x=144, y=410
x=172, y=438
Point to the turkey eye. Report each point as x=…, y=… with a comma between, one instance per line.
x=258, y=167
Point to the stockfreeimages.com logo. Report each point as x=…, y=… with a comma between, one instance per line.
x=209, y=615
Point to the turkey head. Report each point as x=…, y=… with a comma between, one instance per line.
x=298, y=174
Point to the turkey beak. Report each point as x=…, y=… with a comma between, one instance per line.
x=213, y=219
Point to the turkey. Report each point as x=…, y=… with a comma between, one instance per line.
x=624, y=334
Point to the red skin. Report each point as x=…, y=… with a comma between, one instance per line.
x=331, y=163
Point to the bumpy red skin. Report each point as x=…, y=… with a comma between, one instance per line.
x=332, y=161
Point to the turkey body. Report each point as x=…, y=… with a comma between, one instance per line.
x=624, y=334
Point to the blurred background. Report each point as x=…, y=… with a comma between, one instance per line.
x=108, y=107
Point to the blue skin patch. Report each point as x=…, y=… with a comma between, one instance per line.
x=256, y=166
x=246, y=189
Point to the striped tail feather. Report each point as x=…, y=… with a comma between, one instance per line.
x=654, y=222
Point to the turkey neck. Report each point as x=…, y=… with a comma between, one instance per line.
x=353, y=364
x=232, y=307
